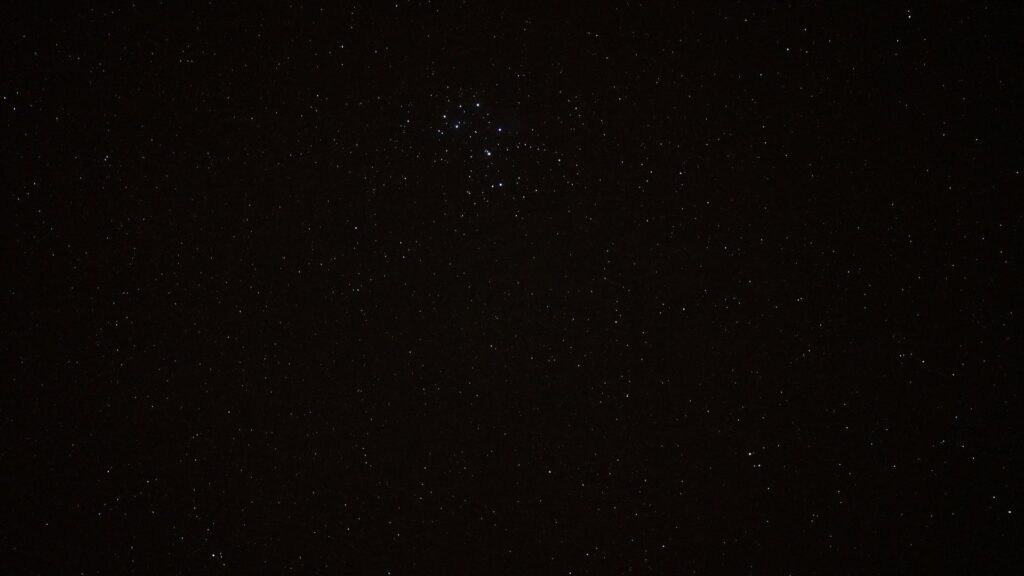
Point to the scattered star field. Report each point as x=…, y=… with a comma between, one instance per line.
x=430, y=287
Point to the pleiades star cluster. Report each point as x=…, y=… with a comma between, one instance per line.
x=451, y=287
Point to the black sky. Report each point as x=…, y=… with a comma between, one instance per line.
x=500, y=288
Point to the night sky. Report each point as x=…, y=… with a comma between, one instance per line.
x=500, y=288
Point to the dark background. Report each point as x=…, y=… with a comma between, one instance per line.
x=736, y=289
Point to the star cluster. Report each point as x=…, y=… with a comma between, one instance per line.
x=427, y=288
